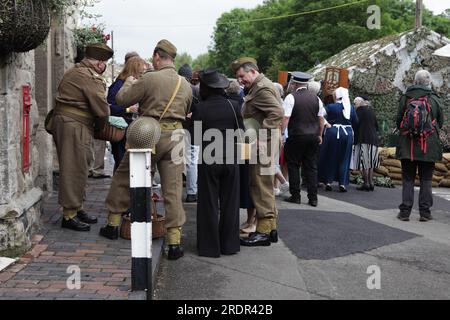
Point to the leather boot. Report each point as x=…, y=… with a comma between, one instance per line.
x=75, y=224
x=84, y=217
x=110, y=232
x=256, y=239
x=175, y=252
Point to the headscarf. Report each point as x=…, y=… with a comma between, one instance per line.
x=343, y=96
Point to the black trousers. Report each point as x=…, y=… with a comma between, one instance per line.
x=304, y=151
x=218, y=209
x=118, y=151
x=409, y=170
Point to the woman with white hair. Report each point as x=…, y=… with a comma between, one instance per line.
x=336, y=150
x=365, y=153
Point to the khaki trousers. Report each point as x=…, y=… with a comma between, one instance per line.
x=261, y=188
x=73, y=142
x=169, y=160
x=98, y=165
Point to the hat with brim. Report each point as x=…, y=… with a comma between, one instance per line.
x=236, y=64
x=99, y=51
x=301, y=77
x=213, y=79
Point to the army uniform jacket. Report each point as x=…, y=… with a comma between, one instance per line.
x=83, y=89
x=263, y=103
x=153, y=91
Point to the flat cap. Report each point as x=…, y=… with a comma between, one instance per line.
x=301, y=77
x=99, y=51
x=168, y=47
x=236, y=64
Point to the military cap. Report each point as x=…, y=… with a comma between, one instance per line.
x=301, y=77
x=99, y=51
x=168, y=47
x=236, y=64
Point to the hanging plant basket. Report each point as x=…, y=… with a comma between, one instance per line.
x=24, y=25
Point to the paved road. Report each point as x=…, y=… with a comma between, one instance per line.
x=326, y=253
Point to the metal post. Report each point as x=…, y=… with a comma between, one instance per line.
x=113, y=61
x=141, y=221
x=419, y=7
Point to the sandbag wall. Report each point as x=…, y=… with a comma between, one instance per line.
x=391, y=167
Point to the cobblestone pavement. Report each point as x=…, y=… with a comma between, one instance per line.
x=105, y=265
x=42, y=273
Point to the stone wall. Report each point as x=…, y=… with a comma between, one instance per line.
x=21, y=193
x=19, y=196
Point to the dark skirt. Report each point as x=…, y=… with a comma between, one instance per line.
x=335, y=155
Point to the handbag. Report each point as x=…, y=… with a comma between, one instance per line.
x=245, y=148
x=48, y=124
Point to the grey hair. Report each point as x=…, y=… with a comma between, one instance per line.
x=422, y=78
x=234, y=88
x=249, y=66
x=314, y=86
x=280, y=89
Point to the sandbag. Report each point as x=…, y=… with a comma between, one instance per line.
x=397, y=182
x=395, y=176
x=445, y=183
x=394, y=169
x=446, y=157
x=384, y=153
x=438, y=178
x=440, y=174
x=376, y=174
x=392, y=163
x=441, y=167
x=391, y=152
x=381, y=170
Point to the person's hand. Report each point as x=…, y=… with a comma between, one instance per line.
x=320, y=140
x=189, y=115
x=328, y=126
x=133, y=109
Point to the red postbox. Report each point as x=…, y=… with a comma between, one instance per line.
x=26, y=91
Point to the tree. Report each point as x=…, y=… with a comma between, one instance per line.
x=297, y=42
x=201, y=62
x=183, y=58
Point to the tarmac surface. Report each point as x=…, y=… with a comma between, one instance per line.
x=328, y=252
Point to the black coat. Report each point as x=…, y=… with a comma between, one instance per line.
x=367, y=129
x=215, y=112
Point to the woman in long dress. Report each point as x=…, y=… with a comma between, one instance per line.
x=336, y=150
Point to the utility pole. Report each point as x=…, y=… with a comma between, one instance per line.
x=112, y=63
x=419, y=9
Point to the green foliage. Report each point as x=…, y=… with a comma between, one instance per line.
x=384, y=182
x=61, y=7
x=87, y=35
x=202, y=62
x=297, y=43
x=183, y=58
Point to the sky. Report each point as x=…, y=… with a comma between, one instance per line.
x=139, y=24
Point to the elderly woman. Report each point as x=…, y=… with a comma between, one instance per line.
x=365, y=154
x=336, y=150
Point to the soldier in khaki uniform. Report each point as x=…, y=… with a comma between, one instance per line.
x=263, y=103
x=81, y=100
x=153, y=92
